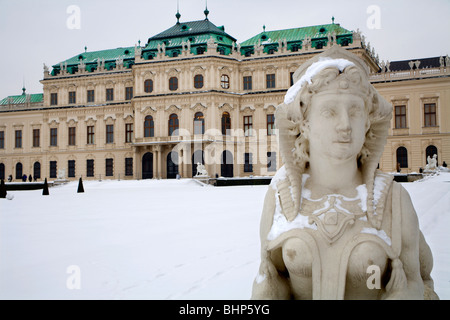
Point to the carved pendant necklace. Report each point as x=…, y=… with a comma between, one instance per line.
x=332, y=214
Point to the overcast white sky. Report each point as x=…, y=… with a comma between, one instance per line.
x=33, y=32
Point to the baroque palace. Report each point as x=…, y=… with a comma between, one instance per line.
x=194, y=94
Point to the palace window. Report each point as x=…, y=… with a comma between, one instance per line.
x=291, y=78
x=2, y=139
x=72, y=97
x=199, y=123
x=128, y=166
x=109, y=133
x=71, y=167
x=271, y=161
x=173, y=125
x=225, y=81
x=400, y=117
x=90, y=135
x=173, y=83
x=19, y=170
x=36, y=138
x=128, y=93
x=226, y=123
x=149, y=127
x=198, y=81
x=89, y=168
x=36, y=170
x=270, y=81
x=110, y=94
x=429, y=114
x=402, y=157
x=128, y=132
x=72, y=136
x=248, y=162
x=53, y=99
x=53, y=167
x=248, y=125
x=247, y=82
x=2, y=171
x=109, y=166
x=18, y=139
x=270, y=124
x=148, y=85
x=53, y=137
x=90, y=96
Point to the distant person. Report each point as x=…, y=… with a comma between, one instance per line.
x=24, y=178
x=30, y=178
x=444, y=164
x=10, y=178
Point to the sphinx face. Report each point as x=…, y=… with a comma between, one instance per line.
x=336, y=125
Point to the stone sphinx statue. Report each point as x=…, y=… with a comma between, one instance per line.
x=333, y=226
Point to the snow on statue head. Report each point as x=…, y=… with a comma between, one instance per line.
x=335, y=71
x=330, y=218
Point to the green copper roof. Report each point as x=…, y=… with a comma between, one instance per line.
x=296, y=34
x=94, y=56
x=20, y=99
x=189, y=29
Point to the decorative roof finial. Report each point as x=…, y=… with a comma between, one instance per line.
x=23, y=87
x=178, y=15
x=206, y=12
x=332, y=19
x=264, y=28
x=85, y=49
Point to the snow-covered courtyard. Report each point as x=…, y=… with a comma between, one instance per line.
x=160, y=239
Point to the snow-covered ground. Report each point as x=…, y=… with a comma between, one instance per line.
x=159, y=239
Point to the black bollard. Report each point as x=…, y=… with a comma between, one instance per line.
x=2, y=189
x=45, y=190
x=80, y=186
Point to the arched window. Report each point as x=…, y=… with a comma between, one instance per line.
x=37, y=170
x=19, y=173
x=173, y=83
x=173, y=125
x=198, y=81
x=226, y=123
x=199, y=123
x=402, y=157
x=149, y=127
x=430, y=151
x=225, y=81
x=148, y=85
x=147, y=166
x=172, y=165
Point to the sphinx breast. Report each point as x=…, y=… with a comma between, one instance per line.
x=364, y=258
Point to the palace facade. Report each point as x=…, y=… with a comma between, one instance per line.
x=194, y=94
